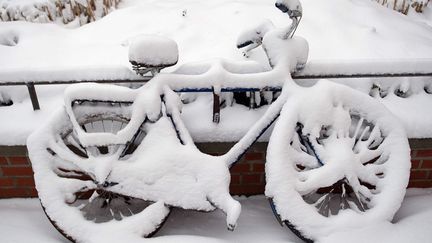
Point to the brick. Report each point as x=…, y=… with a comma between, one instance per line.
x=235, y=179
x=251, y=179
x=13, y=192
x=240, y=168
x=427, y=164
x=258, y=167
x=17, y=171
x=415, y=164
x=3, y=161
x=420, y=184
x=424, y=153
x=6, y=182
x=247, y=190
x=25, y=182
x=18, y=160
x=413, y=153
x=32, y=192
x=418, y=174
x=254, y=156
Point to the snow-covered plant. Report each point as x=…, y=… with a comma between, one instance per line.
x=64, y=11
x=419, y=5
x=428, y=88
x=403, y=6
x=402, y=87
x=8, y=38
x=5, y=100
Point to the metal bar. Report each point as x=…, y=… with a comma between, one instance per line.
x=360, y=75
x=33, y=96
x=314, y=69
x=299, y=75
x=206, y=90
x=251, y=99
x=144, y=79
x=216, y=108
x=296, y=76
x=366, y=68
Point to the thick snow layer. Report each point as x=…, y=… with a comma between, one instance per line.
x=153, y=51
x=70, y=72
x=22, y=220
x=204, y=30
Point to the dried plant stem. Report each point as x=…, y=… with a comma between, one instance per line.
x=66, y=10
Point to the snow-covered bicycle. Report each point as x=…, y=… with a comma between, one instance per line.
x=114, y=160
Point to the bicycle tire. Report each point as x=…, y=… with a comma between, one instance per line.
x=337, y=159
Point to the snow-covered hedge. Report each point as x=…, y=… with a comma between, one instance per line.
x=63, y=11
x=403, y=6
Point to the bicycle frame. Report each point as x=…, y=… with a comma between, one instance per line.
x=219, y=76
x=160, y=86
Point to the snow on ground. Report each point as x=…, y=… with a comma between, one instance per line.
x=336, y=30
x=22, y=220
x=412, y=223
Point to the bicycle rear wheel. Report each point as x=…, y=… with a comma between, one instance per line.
x=337, y=160
x=77, y=202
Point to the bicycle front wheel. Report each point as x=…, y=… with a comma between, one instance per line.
x=337, y=159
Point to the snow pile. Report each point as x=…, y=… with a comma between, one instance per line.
x=9, y=38
x=153, y=51
x=62, y=11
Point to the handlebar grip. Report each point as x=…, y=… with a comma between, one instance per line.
x=292, y=7
x=282, y=7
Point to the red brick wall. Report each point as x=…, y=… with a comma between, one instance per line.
x=16, y=175
x=247, y=176
x=421, y=170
